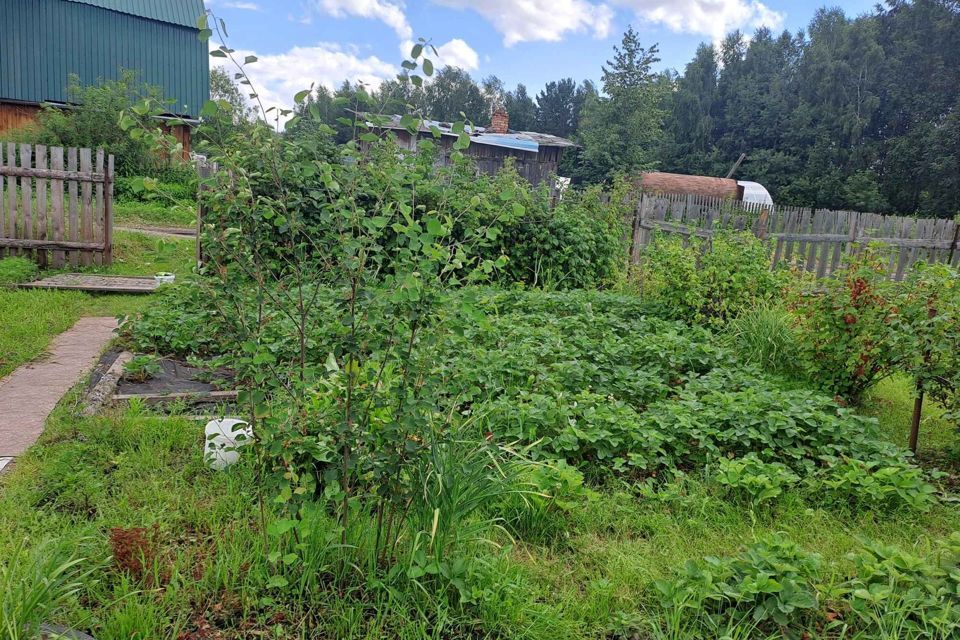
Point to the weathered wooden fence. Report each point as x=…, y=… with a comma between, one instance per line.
x=56, y=204
x=815, y=240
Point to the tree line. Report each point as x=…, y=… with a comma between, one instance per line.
x=852, y=113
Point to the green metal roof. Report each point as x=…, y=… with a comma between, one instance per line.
x=181, y=12
x=42, y=42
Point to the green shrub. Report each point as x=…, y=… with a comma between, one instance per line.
x=847, y=330
x=895, y=594
x=141, y=368
x=711, y=284
x=14, y=270
x=764, y=336
x=94, y=123
x=874, y=485
x=751, y=480
x=770, y=585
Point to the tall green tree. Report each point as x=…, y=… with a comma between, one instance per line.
x=453, y=91
x=521, y=109
x=621, y=131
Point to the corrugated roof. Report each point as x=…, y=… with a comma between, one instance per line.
x=179, y=12
x=520, y=140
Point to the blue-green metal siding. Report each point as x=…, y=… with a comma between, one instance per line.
x=43, y=41
x=181, y=12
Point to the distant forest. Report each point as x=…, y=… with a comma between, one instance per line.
x=852, y=113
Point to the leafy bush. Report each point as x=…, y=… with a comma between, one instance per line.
x=769, y=585
x=863, y=327
x=874, y=485
x=14, y=270
x=141, y=368
x=713, y=284
x=578, y=244
x=94, y=122
x=752, y=480
x=924, y=591
x=847, y=331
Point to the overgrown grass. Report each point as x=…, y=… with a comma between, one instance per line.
x=157, y=214
x=31, y=318
x=891, y=403
x=205, y=555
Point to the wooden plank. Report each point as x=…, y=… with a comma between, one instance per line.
x=51, y=174
x=86, y=207
x=95, y=283
x=826, y=248
x=188, y=397
x=811, y=244
x=98, y=214
x=26, y=194
x=108, y=215
x=3, y=203
x=56, y=195
x=12, y=214
x=40, y=160
x=50, y=245
x=903, y=230
x=72, y=188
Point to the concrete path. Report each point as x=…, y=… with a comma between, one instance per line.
x=29, y=394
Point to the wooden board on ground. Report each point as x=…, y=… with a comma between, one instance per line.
x=95, y=283
x=188, y=397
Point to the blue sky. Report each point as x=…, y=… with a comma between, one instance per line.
x=529, y=41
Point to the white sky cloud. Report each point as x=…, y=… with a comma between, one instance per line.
x=455, y=53
x=277, y=77
x=247, y=6
x=388, y=12
x=532, y=20
x=714, y=18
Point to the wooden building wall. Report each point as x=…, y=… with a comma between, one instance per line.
x=14, y=115
x=534, y=167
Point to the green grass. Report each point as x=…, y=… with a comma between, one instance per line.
x=156, y=214
x=207, y=562
x=891, y=403
x=31, y=318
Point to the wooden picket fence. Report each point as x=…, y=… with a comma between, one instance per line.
x=56, y=204
x=815, y=240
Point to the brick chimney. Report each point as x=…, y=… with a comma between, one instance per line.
x=499, y=122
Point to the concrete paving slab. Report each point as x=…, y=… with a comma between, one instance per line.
x=29, y=394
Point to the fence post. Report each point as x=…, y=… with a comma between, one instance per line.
x=762, y=224
x=108, y=213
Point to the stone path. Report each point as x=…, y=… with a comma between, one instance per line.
x=29, y=394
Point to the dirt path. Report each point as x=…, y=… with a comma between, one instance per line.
x=29, y=394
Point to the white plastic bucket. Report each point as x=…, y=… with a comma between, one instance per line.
x=223, y=438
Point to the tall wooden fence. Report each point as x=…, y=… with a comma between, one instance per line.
x=56, y=204
x=816, y=240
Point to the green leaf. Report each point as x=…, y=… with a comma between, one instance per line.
x=249, y=59
x=216, y=53
x=277, y=582
x=434, y=227
x=301, y=96
x=407, y=64
x=203, y=35
x=209, y=109
x=427, y=67
x=415, y=51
